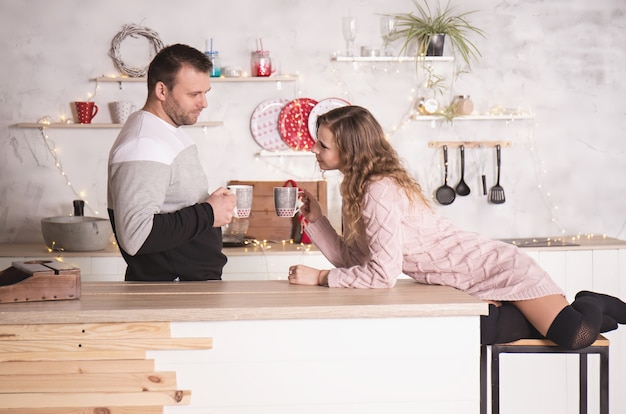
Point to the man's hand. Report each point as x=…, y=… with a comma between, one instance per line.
x=223, y=203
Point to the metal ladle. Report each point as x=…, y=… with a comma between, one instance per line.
x=462, y=188
x=445, y=194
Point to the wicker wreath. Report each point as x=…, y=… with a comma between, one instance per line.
x=134, y=31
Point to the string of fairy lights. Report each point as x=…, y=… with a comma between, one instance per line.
x=284, y=164
x=54, y=151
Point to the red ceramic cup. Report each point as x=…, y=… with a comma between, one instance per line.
x=86, y=111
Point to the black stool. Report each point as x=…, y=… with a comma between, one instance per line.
x=544, y=346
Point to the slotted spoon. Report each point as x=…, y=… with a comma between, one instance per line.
x=496, y=194
x=445, y=194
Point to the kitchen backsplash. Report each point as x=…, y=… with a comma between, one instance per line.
x=556, y=63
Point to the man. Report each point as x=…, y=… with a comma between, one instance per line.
x=165, y=225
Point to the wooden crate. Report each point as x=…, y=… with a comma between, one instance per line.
x=264, y=223
x=39, y=280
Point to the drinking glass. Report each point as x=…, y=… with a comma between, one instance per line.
x=387, y=29
x=349, y=34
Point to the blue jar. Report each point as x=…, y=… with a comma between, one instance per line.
x=214, y=57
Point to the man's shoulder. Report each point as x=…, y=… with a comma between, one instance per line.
x=147, y=138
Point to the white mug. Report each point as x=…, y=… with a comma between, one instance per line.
x=121, y=110
x=286, y=201
x=244, y=200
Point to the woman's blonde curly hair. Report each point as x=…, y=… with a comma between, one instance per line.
x=365, y=155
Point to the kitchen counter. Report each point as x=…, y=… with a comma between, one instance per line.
x=275, y=347
x=335, y=339
x=579, y=242
x=258, y=261
x=40, y=250
x=240, y=300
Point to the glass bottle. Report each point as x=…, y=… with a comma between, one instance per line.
x=214, y=57
x=260, y=63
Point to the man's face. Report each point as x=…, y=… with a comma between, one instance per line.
x=184, y=102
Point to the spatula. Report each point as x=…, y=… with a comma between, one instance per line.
x=496, y=194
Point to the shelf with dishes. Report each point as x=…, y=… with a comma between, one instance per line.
x=239, y=79
x=285, y=153
x=503, y=117
x=62, y=125
x=391, y=59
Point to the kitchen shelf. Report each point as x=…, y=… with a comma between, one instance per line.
x=286, y=153
x=473, y=118
x=277, y=78
x=352, y=59
x=61, y=125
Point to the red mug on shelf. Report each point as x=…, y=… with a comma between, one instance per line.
x=86, y=111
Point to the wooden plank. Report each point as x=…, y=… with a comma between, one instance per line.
x=131, y=344
x=98, y=382
x=70, y=355
x=91, y=399
x=85, y=331
x=85, y=410
x=600, y=341
x=77, y=367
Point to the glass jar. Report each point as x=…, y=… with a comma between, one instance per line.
x=260, y=63
x=426, y=106
x=463, y=105
x=214, y=57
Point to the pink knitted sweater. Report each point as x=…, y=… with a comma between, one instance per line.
x=400, y=239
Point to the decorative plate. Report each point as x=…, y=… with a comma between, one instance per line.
x=321, y=108
x=293, y=123
x=264, y=125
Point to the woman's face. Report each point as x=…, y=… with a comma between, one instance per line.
x=326, y=150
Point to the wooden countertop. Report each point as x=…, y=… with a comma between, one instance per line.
x=240, y=300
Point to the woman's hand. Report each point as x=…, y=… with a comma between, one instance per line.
x=305, y=275
x=311, y=208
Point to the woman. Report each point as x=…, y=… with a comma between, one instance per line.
x=390, y=229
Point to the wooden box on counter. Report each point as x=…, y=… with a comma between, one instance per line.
x=264, y=223
x=39, y=280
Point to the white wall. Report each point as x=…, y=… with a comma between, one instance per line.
x=558, y=59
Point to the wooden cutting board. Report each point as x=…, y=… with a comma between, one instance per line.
x=264, y=223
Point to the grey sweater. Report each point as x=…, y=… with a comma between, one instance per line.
x=156, y=193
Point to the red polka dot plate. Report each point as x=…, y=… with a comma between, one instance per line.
x=293, y=123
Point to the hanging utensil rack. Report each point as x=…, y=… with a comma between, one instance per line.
x=469, y=144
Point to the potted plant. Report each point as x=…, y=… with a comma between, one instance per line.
x=424, y=31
